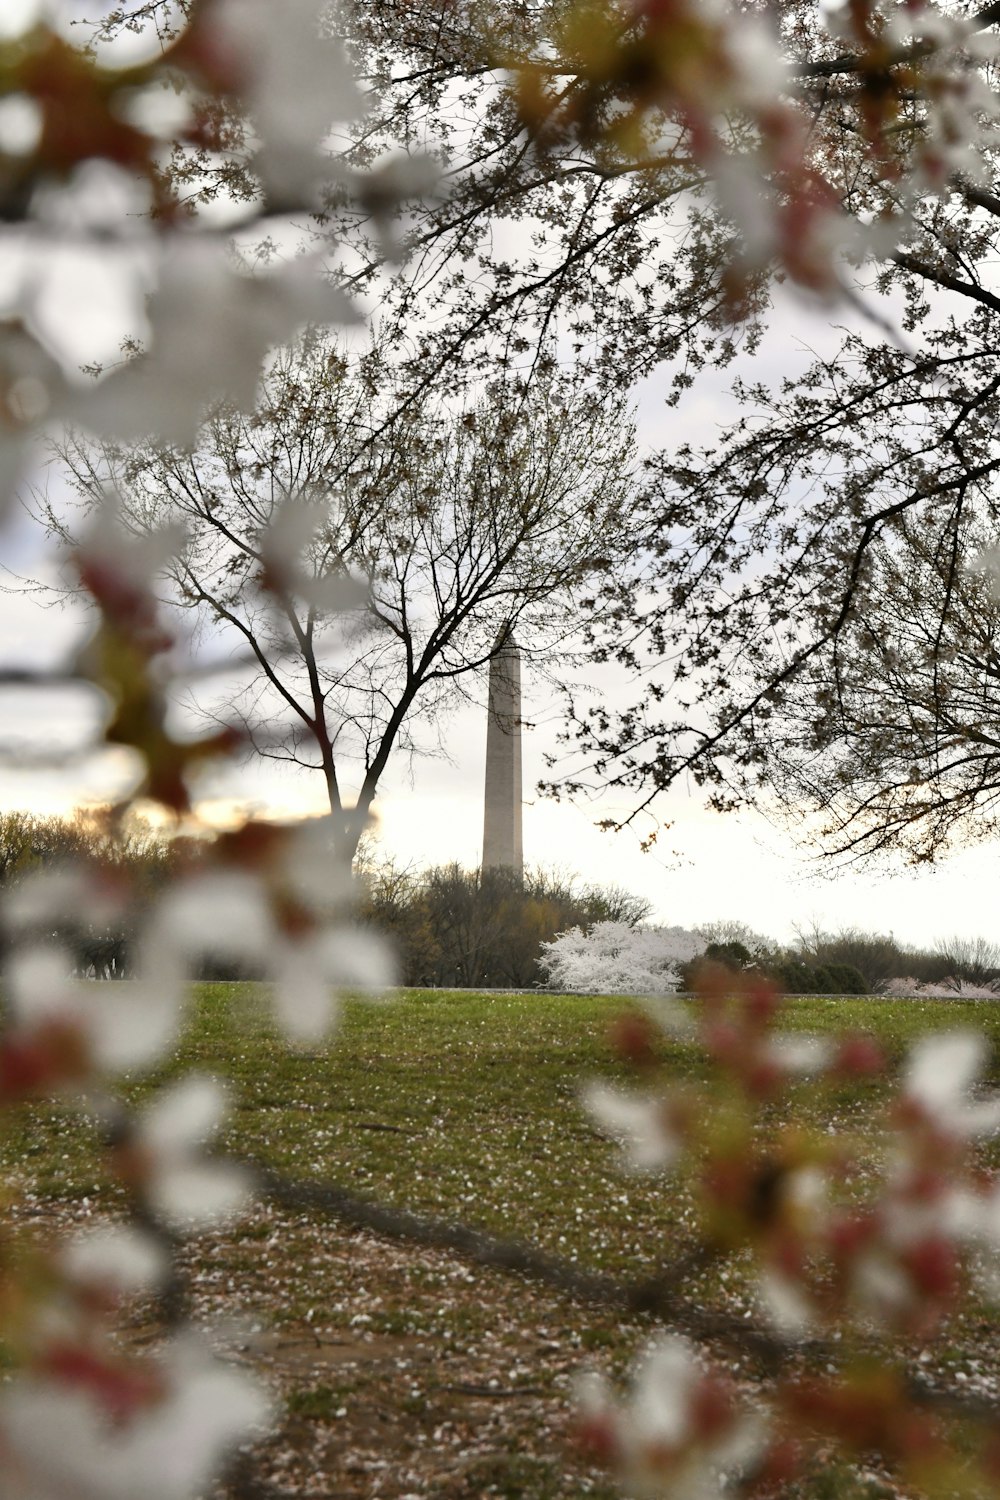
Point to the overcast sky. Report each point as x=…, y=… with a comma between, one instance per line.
x=704, y=866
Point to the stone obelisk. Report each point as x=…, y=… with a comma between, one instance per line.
x=502, y=819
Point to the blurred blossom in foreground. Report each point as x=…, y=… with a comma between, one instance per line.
x=87, y=158
x=122, y=1026
x=211, y=325
x=114, y=1262
x=941, y=1072
x=291, y=72
x=278, y=902
x=680, y=1431
x=648, y=1126
x=63, y=1439
x=185, y=1188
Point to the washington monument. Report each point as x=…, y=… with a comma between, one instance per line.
x=502, y=818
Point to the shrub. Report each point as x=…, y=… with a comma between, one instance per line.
x=848, y=979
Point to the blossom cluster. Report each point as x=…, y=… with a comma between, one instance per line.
x=87, y=141
x=275, y=897
x=683, y=1430
x=950, y=988
x=614, y=958
x=126, y=1424
x=84, y=142
x=894, y=1260
x=711, y=84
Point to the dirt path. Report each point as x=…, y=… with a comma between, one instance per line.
x=403, y=1373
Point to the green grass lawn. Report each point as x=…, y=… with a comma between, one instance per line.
x=453, y=1103
x=462, y=1106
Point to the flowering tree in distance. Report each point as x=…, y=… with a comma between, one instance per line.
x=811, y=148
x=614, y=958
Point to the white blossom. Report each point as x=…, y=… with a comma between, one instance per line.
x=309, y=972
x=358, y=959
x=614, y=958
x=880, y=1286
x=746, y=197
x=295, y=80
x=118, y=1259
x=640, y=1122
x=786, y=1303
x=64, y=893
x=311, y=865
x=232, y=914
x=671, y=1015
x=660, y=1449
x=303, y=999
x=137, y=558
x=753, y=52
x=223, y=913
x=124, y=1025
x=284, y=547
x=98, y=197
x=798, y=1054
x=211, y=325
x=33, y=390
x=58, y=1442
x=186, y=1188
x=940, y=1071
x=988, y=561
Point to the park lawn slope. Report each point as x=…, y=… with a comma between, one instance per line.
x=463, y=1107
x=459, y=1105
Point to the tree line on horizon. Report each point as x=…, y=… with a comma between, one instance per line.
x=851, y=960
x=455, y=928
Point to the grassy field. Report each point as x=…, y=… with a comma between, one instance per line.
x=406, y=1372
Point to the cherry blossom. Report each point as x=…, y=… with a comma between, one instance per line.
x=114, y=1262
x=117, y=1027
x=291, y=72
x=614, y=958
x=212, y=323
x=192, y=1417
x=285, y=546
x=679, y=1432
x=284, y=908
x=33, y=391
x=166, y=1160
x=940, y=1073
x=649, y=1126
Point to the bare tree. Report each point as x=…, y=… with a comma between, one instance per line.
x=876, y=956
x=975, y=960
x=465, y=523
x=891, y=734
x=733, y=930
